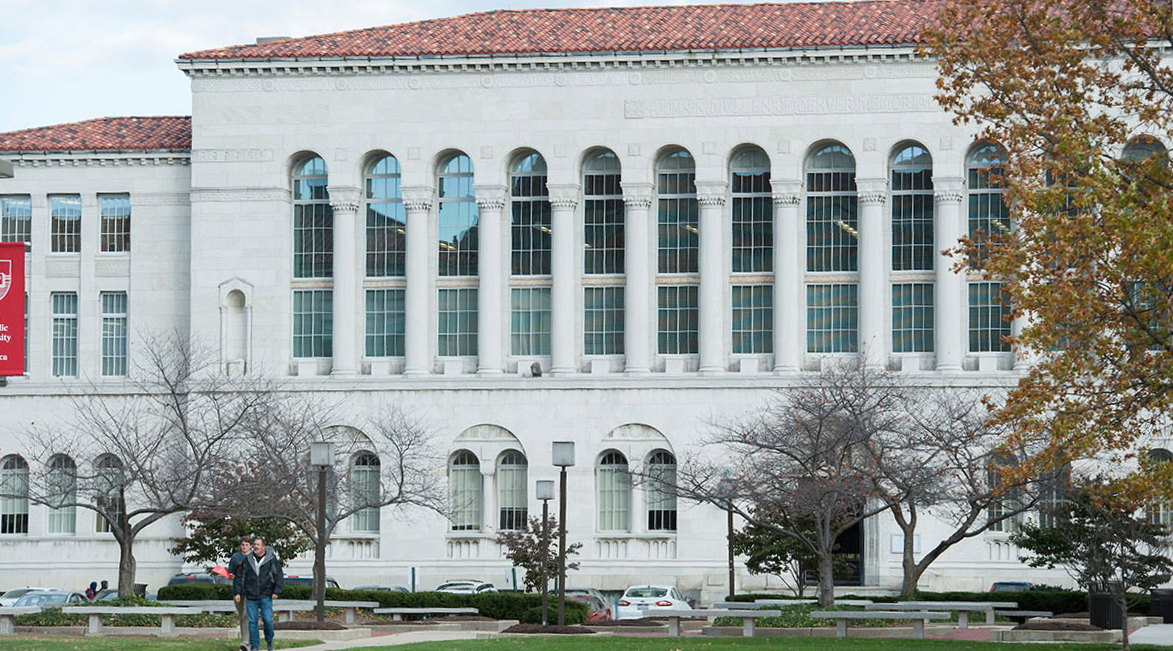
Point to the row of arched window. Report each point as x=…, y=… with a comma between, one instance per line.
x=61, y=491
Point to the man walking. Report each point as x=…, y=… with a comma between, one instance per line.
x=258, y=584
x=236, y=568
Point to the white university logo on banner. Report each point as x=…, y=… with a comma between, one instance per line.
x=5, y=277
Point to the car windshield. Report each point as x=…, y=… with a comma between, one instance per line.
x=646, y=591
x=39, y=599
x=15, y=594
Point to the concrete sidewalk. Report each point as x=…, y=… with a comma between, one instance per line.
x=1161, y=634
x=396, y=639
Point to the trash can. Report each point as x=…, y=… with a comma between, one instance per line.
x=1162, y=604
x=140, y=589
x=1103, y=610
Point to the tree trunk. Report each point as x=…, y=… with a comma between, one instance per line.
x=826, y=578
x=126, y=565
x=912, y=571
x=1121, y=600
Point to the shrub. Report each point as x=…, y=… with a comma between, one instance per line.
x=576, y=613
x=196, y=592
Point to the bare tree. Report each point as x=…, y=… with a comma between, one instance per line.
x=135, y=458
x=389, y=460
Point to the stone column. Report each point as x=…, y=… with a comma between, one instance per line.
x=873, y=272
x=789, y=289
x=563, y=201
x=490, y=266
x=637, y=263
x=949, y=289
x=345, y=201
x=714, y=278
x=417, y=336
x=1024, y=358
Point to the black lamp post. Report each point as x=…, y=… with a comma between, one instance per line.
x=563, y=454
x=322, y=459
x=545, y=493
x=725, y=489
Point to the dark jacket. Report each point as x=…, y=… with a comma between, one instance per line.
x=236, y=564
x=259, y=578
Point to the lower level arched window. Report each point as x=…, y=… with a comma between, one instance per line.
x=512, y=497
x=466, y=491
x=109, y=483
x=365, y=490
x=61, y=483
x=14, y=487
x=1160, y=511
x=614, y=485
x=661, y=491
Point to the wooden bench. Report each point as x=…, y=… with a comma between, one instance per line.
x=841, y=617
x=398, y=613
x=1020, y=616
x=95, y=613
x=747, y=617
x=963, y=608
x=8, y=617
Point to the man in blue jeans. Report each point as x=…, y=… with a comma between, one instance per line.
x=258, y=585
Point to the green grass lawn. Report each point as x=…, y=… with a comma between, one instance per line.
x=114, y=643
x=689, y=644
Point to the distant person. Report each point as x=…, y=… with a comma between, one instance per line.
x=92, y=591
x=258, y=584
x=235, y=569
x=105, y=585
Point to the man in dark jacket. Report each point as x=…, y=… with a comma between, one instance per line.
x=258, y=584
x=236, y=568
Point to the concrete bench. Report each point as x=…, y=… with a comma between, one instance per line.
x=398, y=613
x=95, y=614
x=8, y=617
x=963, y=608
x=1020, y=616
x=841, y=617
x=282, y=610
x=747, y=617
x=349, y=608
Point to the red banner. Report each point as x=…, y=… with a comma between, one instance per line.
x=11, y=308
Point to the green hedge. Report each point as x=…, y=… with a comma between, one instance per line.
x=55, y=617
x=1056, y=601
x=576, y=613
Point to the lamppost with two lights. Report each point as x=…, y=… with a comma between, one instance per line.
x=563, y=454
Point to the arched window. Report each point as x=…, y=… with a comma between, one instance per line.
x=677, y=213
x=1006, y=502
x=1161, y=511
x=614, y=485
x=661, y=494
x=365, y=488
x=457, y=218
x=386, y=219
x=1142, y=149
x=61, y=483
x=109, y=485
x=831, y=210
x=530, y=211
x=989, y=215
x=313, y=221
x=753, y=211
x=14, y=489
x=512, y=497
x=466, y=491
x=603, y=214
x=912, y=209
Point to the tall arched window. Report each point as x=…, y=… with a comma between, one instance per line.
x=14, y=485
x=61, y=483
x=457, y=218
x=109, y=481
x=832, y=238
x=1142, y=149
x=614, y=484
x=466, y=491
x=530, y=211
x=677, y=213
x=365, y=488
x=512, y=496
x=989, y=215
x=1160, y=511
x=603, y=214
x=661, y=496
x=753, y=211
x=313, y=221
x=1005, y=503
x=386, y=219
x=912, y=249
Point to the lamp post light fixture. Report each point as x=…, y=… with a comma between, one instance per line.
x=563, y=456
x=545, y=493
x=725, y=490
x=322, y=459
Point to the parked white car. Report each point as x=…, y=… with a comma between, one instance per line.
x=8, y=599
x=644, y=600
x=466, y=586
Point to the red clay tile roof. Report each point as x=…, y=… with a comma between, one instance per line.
x=103, y=134
x=628, y=29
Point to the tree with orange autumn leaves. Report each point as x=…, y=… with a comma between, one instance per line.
x=1080, y=95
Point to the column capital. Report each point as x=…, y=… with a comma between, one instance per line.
x=491, y=197
x=949, y=189
x=638, y=195
x=417, y=198
x=711, y=193
x=564, y=195
x=872, y=191
x=786, y=192
x=344, y=198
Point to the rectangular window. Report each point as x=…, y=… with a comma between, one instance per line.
x=753, y=221
x=65, y=223
x=64, y=308
x=313, y=238
x=989, y=314
x=114, y=210
x=603, y=215
x=912, y=220
x=386, y=319
x=530, y=321
x=512, y=495
x=530, y=227
x=832, y=236
x=457, y=220
x=832, y=318
x=16, y=219
x=313, y=323
x=386, y=228
x=677, y=213
x=114, y=322
x=679, y=316
x=912, y=318
x=753, y=319
x=602, y=322
x=456, y=322
x=989, y=216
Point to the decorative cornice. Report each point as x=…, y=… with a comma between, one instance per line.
x=97, y=159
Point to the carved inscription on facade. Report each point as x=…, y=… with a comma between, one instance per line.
x=751, y=106
x=232, y=155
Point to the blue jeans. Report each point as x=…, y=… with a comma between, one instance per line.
x=265, y=608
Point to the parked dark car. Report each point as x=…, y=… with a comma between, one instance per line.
x=190, y=579
x=307, y=581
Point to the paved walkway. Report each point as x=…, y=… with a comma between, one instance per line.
x=395, y=639
x=1155, y=634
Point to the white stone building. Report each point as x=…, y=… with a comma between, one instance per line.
x=669, y=211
